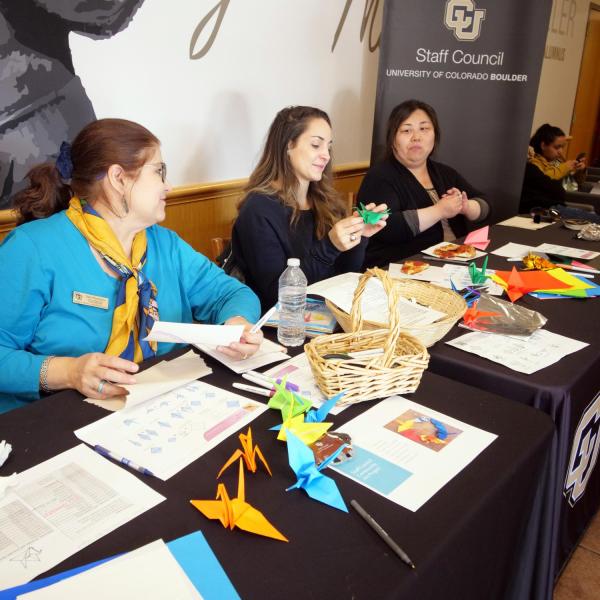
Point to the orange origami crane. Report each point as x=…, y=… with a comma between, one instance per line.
x=236, y=512
x=472, y=315
x=249, y=453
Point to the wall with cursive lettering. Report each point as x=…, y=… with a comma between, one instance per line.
x=207, y=77
x=562, y=58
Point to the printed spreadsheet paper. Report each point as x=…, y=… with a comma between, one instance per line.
x=523, y=354
x=407, y=452
x=61, y=506
x=169, y=432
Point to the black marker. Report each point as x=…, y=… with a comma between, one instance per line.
x=382, y=533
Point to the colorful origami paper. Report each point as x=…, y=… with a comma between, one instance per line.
x=236, y=512
x=248, y=453
x=317, y=486
x=518, y=283
x=288, y=402
x=478, y=238
x=478, y=277
x=576, y=287
x=370, y=217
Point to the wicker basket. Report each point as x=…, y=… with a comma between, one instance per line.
x=427, y=294
x=397, y=370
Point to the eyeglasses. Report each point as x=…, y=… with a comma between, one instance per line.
x=161, y=169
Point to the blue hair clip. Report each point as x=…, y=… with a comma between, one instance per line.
x=64, y=164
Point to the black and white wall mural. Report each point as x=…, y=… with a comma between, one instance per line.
x=42, y=100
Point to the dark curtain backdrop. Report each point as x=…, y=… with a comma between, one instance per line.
x=486, y=122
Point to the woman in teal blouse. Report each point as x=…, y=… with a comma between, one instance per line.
x=83, y=285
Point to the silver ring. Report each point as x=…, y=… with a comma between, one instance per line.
x=352, y=237
x=101, y=385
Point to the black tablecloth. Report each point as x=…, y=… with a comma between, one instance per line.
x=563, y=390
x=476, y=538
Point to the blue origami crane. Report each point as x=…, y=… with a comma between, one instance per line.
x=319, y=415
x=318, y=486
x=469, y=294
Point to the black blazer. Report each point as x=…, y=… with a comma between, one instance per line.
x=392, y=183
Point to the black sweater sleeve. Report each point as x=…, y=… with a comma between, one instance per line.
x=263, y=239
x=377, y=187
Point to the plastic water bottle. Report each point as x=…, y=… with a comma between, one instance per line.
x=292, y=302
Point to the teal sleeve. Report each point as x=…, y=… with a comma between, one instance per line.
x=23, y=295
x=213, y=295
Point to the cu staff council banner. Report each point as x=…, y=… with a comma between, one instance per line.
x=478, y=64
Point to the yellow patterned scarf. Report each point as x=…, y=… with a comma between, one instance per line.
x=137, y=294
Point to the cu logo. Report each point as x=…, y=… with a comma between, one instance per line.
x=464, y=19
x=584, y=452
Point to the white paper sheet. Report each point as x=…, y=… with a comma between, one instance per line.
x=5, y=450
x=432, y=274
x=401, y=465
x=63, y=505
x=150, y=572
x=298, y=371
x=8, y=482
x=159, y=379
x=526, y=355
x=195, y=333
x=513, y=250
x=167, y=433
x=441, y=276
x=374, y=302
x=566, y=251
x=523, y=223
x=268, y=353
x=430, y=252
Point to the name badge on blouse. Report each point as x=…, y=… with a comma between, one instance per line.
x=90, y=300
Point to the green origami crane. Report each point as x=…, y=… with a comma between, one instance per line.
x=478, y=277
x=370, y=217
x=289, y=403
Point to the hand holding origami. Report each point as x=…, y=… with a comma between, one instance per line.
x=370, y=217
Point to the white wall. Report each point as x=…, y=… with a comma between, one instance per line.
x=212, y=114
x=560, y=70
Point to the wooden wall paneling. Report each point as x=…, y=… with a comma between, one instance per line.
x=200, y=212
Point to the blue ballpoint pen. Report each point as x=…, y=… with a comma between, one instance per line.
x=124, y=461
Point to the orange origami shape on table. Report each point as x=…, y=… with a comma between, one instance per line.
x=249, y=452
x=472, y=314
x=519, y=283
x=236, y=512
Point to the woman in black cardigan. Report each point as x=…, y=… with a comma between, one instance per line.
x=429, y=202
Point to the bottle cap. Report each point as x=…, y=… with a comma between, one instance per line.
x=293, y=262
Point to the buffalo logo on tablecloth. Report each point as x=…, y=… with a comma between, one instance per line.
x=463, y=19
x=584, y=452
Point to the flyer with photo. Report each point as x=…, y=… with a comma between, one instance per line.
x=407, y=452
